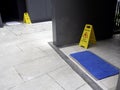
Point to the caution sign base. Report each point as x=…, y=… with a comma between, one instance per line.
x=88, y=36
x=26, y=18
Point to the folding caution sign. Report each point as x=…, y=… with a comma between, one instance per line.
x=88, y=36
x=26, y=18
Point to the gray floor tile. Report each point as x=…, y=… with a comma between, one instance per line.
x=110, y=82
x=9, y=78
x=85, y=87
x=39, y=67
x=67, y=78
x=7, y=49
x=41, y=83
x=31, y=53
x=7, y=37
x=10, y=58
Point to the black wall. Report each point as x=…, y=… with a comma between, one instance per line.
x=70, y=17
x=39, y=10
x=9, y=10
x=21, y=5
x=12, y=9
x=101, y=15
x=1, y=24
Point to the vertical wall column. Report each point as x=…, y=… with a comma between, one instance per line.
x=68, y=21
x=70, y=17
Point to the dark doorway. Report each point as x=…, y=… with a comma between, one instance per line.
x=10, y=10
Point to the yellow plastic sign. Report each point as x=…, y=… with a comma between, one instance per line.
x=26, y=18
x=88, y=36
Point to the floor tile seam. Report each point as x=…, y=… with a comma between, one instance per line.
x=31, y=39
x=55, y=81
x=19, y=48
x=27, y=41
x=11, y=88
x=44, y=50
x=26, y=81
x=14, y=33
x=63, y=66
x=37, y=76
x=34, y=78
x=32, y=33
x=20, y=78
x=62, y=86
x=81, y=86
x=19, y=74
x=25, y=33
x=30, y=61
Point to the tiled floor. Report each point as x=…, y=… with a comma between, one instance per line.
x=109, y=50
x=27, y=62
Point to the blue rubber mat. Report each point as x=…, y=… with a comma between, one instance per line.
x=95, y=65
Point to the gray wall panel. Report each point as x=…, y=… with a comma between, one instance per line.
x=21, y=8
x=68, y=21
x=70, y=17
x=39, y=10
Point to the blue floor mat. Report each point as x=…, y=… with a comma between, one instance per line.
x=95, y=65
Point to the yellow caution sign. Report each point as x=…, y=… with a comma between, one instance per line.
x=26, y=18
x=88, y=36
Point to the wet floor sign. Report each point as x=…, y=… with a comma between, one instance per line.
x=88, y=36
x=26, y=18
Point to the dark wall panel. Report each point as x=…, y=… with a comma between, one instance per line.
x=68, y=20
x=1, y=24
x=70, y=17
x=21, y=5
x=101, y=16
x=39, y=10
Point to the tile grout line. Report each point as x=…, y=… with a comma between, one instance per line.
x=80, y=86
x=14, y=33
x=55, y=81
x=19, y=48
x=18, y=74
x=57, y=68
x=11, y=88
x=32, y=60
x=35, y=77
